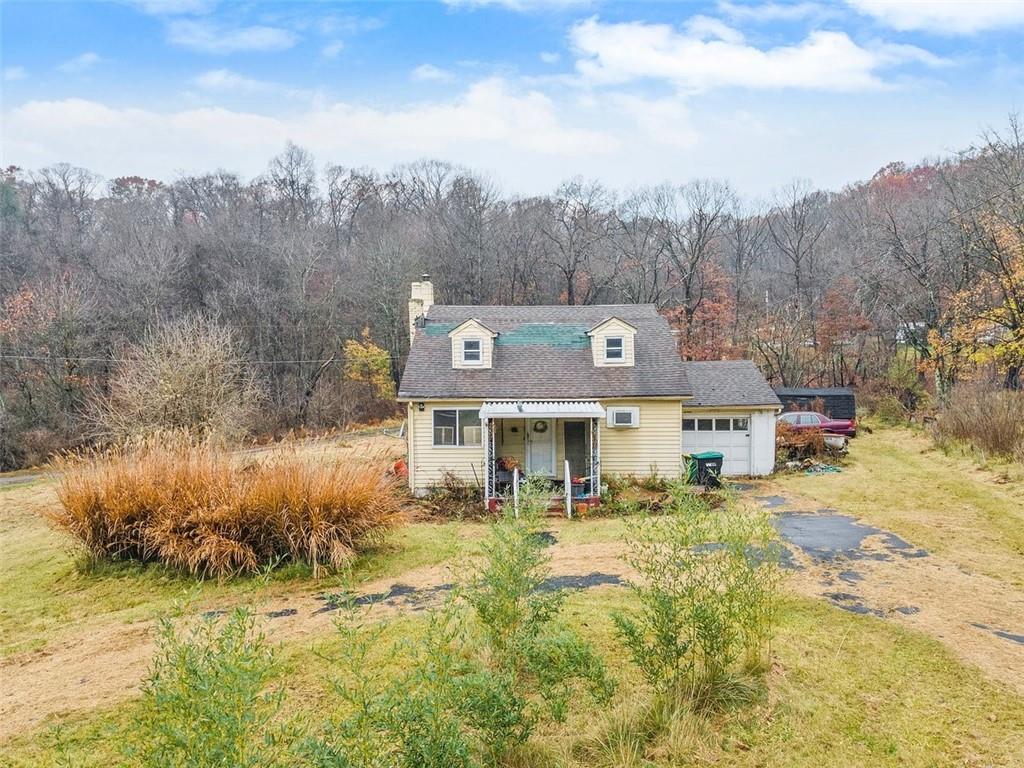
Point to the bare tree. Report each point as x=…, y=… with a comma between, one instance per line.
x=185, y=375
x=576, y=227
x=796, y=224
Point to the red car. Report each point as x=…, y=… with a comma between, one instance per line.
x=804, y=420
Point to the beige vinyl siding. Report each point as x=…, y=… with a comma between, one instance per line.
x=428, y=462
x=476, y=331
x=653, y=447
x=618, y=328
x=509, y=443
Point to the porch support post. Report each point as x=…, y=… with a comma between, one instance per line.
x=595, y=457
x=485, y=435
x=568, y=490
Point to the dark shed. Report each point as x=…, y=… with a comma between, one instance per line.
x=839, y=402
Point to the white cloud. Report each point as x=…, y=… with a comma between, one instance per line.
x=489, y=120
x=707, y=28
x=226, y=80
x=663, y=121
x=14, y=73
x=528, y=141
x=80, y=63
x=762, y=12
x=948, y=17
x=519, y=5
x=428, y=72
x=717, y=57
x=228, y=83
x=332, y=50
x=172, y=7
x=550, y=57
x=206, y=38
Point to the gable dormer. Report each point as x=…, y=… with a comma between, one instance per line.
x=472, y=345
x=613, y=343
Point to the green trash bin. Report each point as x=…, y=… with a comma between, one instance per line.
x=704, y=468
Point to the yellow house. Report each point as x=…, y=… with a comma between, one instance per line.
x=569, y=393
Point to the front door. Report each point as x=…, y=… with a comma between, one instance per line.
x=576, y=450
x=540, y=447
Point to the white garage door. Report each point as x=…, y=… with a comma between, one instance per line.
x=729, y=435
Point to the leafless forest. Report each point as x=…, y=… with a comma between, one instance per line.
x=920, y=265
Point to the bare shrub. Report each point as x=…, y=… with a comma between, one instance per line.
x=797, y=444
x=984, y=416
x=193, y=508
x=183, y=375
x=455, y=499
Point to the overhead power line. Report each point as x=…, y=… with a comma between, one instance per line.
x=77, y=359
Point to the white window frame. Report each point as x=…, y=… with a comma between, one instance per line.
x=458, y=429
x=634, y=414
x=479, y=351
x=621, y=350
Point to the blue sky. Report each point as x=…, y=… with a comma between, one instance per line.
x=528, y=92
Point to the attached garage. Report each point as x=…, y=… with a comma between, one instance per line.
x=729, y=435
x=733, y=412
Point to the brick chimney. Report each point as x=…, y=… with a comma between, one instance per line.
x=420, y=300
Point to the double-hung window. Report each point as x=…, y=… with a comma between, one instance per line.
x=456, y=426
x=471, y=354
x=613, y=348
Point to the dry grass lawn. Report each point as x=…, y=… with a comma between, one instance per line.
x=895, y=479
x=845, y=690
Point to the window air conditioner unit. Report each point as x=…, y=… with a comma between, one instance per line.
x=623, y=418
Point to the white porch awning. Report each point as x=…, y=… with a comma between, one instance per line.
x=542, y=409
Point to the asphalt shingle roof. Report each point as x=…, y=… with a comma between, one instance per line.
x=543, y=352
x=728, y=382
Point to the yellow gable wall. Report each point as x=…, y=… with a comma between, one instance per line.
x=472, y=331
x=613, y=328
x=653, y=447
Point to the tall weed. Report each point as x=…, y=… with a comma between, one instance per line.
x=206, y=703
x=493, y=665
x=984, y=416
x=705, y=599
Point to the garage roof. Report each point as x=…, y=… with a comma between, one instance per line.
x=720, y=383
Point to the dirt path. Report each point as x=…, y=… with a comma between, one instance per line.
x=106, y=665
x=832, y=556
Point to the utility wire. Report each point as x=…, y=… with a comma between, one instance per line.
x=124, y=360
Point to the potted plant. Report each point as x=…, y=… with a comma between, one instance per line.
x=505, y=466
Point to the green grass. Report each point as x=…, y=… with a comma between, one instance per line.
x=48, y=589
x=844, y=691
x=947, y=504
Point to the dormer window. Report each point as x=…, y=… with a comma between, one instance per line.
x=471, y=354
x=613, y=343
x=614, y=348
x=472, y=345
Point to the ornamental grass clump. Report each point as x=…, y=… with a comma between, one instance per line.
x=195, y=508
